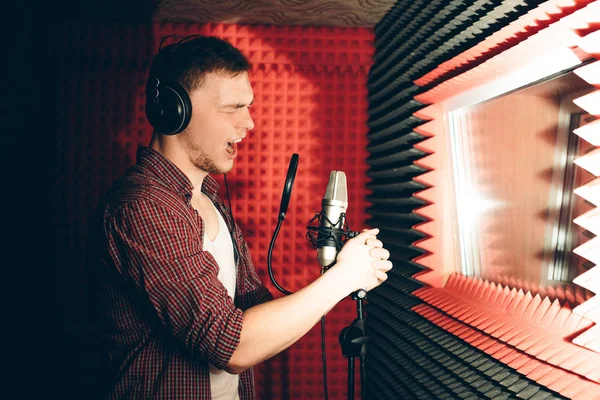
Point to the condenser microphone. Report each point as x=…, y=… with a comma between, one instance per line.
x=333, y=219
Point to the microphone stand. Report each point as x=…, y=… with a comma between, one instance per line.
x=352, y=338
x=353, y=342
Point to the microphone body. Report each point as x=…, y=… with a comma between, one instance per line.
x=333, y=219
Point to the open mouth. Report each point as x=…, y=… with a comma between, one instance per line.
x=232, y=146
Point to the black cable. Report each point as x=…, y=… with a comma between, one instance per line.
x=232, y=234
x=363, y=366
x=284, y=291
x=350, y=378
x=281, y=289
x=363, y=378
x=314, y=240
x=324, y=356
x=227, y=193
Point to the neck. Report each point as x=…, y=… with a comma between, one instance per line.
x=168, y=147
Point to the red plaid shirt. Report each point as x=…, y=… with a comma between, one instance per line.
x=167, y=315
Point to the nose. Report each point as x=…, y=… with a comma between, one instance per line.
x=247, y=121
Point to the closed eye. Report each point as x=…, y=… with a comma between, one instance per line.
x=233, y=109
x=239, y=105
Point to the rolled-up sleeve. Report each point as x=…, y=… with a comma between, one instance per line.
x=160, y=252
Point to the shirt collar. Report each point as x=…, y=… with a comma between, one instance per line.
x=173, y=177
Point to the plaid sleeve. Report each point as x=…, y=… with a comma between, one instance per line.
x=160, y=252
x=255, y=291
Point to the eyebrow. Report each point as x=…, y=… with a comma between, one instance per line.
x=238, y=105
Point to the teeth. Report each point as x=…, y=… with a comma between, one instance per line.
x=230, y=144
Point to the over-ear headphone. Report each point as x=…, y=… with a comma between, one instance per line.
x=168, y=104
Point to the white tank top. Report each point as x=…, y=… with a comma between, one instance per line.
x=223, y=385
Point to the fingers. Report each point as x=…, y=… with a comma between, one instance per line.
x=373, y=242
x=371, y=230
x=382, y=265
x=380, y=275
x=366, y=250
x=367, y=234
x=379, y=252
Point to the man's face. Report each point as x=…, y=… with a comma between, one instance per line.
x=220, y=120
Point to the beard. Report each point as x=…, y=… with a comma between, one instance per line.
x=204, y=162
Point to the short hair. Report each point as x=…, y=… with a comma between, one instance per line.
x=187, y=61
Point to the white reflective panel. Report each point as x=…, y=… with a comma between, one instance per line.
x=513, y=173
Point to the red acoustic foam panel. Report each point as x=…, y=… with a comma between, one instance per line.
x=590, y=220
x=310, y=98
x=535, y=20
x=535, y=326
x=552, y=27
x=321, y=116
x=433, y=130
x=566, y=293
x=318, y=116
x=527, y=326
x=562, y=380
x=434, y=161
x=561, y=34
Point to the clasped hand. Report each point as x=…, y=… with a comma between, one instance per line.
x=365, y=261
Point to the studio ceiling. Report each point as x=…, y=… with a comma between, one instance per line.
x=348, y=13
x=278, y=12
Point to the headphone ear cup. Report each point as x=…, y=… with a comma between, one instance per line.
x=170, y=111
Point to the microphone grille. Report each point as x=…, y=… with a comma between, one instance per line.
x=336, y=188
